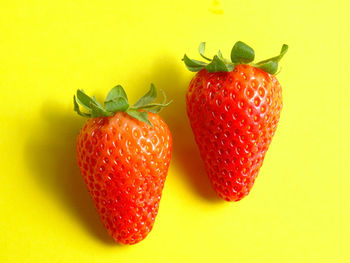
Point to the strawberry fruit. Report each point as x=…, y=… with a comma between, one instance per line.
x=233, y=107
x=124, y=153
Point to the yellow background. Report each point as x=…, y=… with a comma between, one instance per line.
x=298, y=210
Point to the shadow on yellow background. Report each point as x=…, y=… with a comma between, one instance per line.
x=168, y=74
x=51, y=155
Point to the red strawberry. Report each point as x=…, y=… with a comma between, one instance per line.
x=234, y=108
x=124, y=153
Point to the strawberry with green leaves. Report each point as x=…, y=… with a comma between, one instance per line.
x=233, y=107
x=124, y=153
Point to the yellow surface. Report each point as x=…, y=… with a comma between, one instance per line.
x=298, y=210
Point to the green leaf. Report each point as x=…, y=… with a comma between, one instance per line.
x=94, y=107
x=83, y=99
x=193, y=65
x=117, y=104
x=164, y=96
x=150, y=96
x=220, y=55
x=116, y=100
x=242, y=53
x=77, y=109
x=269, y=67
x=156, y=109
x=153, y=105
x=95, y=101
x=98, y=111
x=139, y=115
x=201, y=50
x=283, y=51
x=218, y=65
x=116, y=92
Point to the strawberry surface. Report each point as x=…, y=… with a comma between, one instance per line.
x=124, y=165
x=124, y=161
x=233, y=108
x=233, y=116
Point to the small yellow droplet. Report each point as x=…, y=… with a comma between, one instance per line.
x=216, y=9
x=244, y=76
x=255, y=118
x=249, y=110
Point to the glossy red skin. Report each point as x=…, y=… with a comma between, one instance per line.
x=124, y=163
x=233, y=116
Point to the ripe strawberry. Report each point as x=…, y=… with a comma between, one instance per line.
x=234, y=108
x=124, y=153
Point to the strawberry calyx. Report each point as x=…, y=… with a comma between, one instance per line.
x=241, y=53
x=117, y=101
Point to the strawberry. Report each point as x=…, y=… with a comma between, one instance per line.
x=124, y=153
x=233, y=107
